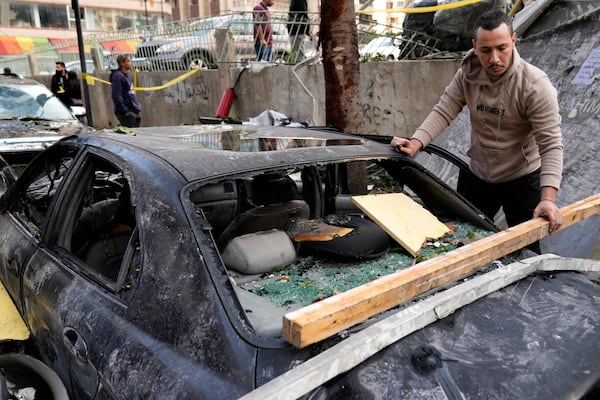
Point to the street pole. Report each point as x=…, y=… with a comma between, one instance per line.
x=81, y=47
x=146, y=8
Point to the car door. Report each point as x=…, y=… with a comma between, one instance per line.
x=26, y=206
x=74, y=287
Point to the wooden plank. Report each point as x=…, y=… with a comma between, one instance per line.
x=405, y=220
x=12, y=326
x=327, y=317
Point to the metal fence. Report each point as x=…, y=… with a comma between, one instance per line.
x=214, y=41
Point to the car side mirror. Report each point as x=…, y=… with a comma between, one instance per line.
x=78, y=111
x=41, y=99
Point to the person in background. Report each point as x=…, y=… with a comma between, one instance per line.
x=58, y=86
x=298, y=28
x=263, y=30
x=516, y=152
x=73, y=88
x=127, y=106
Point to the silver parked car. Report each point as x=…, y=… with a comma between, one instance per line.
x=196, y=45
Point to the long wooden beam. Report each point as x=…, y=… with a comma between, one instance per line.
x=327, y=317
x=358, y=347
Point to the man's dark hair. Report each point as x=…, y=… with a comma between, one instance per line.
x=62, y=64
x=121, y=58
x=492, y=19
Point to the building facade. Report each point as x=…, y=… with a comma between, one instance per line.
x=56, y=18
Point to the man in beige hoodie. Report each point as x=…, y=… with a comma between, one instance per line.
x=516, y=151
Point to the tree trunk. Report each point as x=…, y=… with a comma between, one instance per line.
x=340, y=65
x=343, y=108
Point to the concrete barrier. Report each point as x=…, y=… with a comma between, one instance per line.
x=396, y=95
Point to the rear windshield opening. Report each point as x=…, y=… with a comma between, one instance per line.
x=291, y=238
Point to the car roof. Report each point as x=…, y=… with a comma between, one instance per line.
x=14, y=79
x=212, y=151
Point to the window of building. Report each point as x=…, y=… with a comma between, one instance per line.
x=72, y=13
x=53, y=16
x=21, y=15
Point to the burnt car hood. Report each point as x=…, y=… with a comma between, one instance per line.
x=32, y=128
x=536, y=339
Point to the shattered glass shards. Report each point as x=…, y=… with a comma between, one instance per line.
x=315, y=278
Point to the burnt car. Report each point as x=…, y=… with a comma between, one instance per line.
x=160, y=264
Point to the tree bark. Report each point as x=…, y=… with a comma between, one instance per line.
x=343, y=108
x=340, y=65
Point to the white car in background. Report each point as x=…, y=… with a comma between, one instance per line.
x=31, y=119
x=381, y=48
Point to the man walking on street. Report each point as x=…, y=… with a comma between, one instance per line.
x=516, y=152
x=127, y=106
x=263, y=31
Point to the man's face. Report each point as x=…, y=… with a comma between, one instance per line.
x=127, y=64
x=494, y=49
x=60, y=69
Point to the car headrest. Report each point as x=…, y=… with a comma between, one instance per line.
x=276, y=250
x=273, y=188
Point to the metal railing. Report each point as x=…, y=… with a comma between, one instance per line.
x=215, y=41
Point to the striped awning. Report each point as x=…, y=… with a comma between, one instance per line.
x=9, y=46
x=68, y=46
x=28, y=44
x=120, y=46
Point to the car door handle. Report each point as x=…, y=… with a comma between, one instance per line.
x=75, y=343
x=13, y=265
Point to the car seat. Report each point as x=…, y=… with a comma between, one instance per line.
x=103, y=232
x=277, y=201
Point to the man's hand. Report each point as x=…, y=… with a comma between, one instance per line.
x=410, y=147
x=547, y=208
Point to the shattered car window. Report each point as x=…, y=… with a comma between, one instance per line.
x=43, y=182
x=237, y=140
x=30, y=102
x=101, y=226
x=314, y=240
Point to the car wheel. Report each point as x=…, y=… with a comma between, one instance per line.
x=194, y=61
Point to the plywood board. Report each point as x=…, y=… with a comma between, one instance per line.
x=12, y=326
x=405, y=220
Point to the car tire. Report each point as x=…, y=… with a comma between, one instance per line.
x=199, y=60
x=37, y=369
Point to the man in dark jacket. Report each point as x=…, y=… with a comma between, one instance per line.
x=58, y=86
x=298, y=27
x=127, y=106
x=73, y=88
